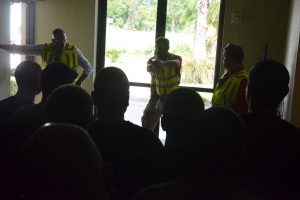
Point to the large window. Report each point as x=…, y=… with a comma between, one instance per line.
x=193, y=32
x=192, y=26
x=16, y=27
x=130, y=36
x=17, y=36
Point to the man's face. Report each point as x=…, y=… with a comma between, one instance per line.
x=160, y=49
x=59, y=41
x=227, y=60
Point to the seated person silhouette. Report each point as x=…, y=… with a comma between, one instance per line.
x=28, y=118
x=273, y=144
x=212, y=157
x=28, y=75
x=69, y=104
x=60, y=161
x=116, y=138
x=180, y=113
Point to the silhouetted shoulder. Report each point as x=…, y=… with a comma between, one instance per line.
x=30, y=115
x=8, y=106
x=118, y=141
x=259, y=123
x=178, y=190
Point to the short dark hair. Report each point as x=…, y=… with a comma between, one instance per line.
x=219, y=139
x=181, y=107
x=235, y=52
x=54, y=75
x=164, y=41
x=269, y=82
x=69, y=104
x=28, y=74
x=111, y=90
x=58, y=31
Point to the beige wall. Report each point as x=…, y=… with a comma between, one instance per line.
x=263, y=21
x=292, y=61
x=295, y=114
x=76, y=17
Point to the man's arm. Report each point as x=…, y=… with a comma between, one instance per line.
x=176, y=63
x=31, y=50
x=85, y=65
x=151, y=64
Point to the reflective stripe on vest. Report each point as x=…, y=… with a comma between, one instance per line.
x=166, y=80
x=225, y=94
x=67, y=57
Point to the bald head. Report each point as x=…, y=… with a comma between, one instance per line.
x=268, y=83
x=111, y=91
x=181, y=110
x=59, y=39
x=69, y=104
x=28, y=76
x=219, y=140
x=61, y=161
x=181, y=107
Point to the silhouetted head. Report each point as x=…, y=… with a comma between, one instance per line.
x=181, y=109
x=268, y=84
x=233, y=56
x=69, y=104
x=60, y=161
x=28, y=76
x=162, y=47
x=218, y=143
x=111, y=92
x=54, y=75
x=59, y=39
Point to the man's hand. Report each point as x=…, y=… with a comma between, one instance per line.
x=157, y=64
x=78, y=83
x=81, y=79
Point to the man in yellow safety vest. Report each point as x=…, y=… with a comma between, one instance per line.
x=164, y=68
x=231, y=87
x=56, y=51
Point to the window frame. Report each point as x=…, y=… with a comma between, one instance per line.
x=101, y=15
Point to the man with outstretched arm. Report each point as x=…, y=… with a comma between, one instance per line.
x=56, y=51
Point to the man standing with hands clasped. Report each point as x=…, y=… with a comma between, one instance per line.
x=230, y=91
x=164, y=68
x=56, y=51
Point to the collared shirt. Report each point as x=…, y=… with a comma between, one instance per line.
x=36, y=50
x=241, y=105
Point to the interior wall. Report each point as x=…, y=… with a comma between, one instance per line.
x=262, y=22
x=75, y=17
x=292, y=61
x=4, y=56
x=295, y=114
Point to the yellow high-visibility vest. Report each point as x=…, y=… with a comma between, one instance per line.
x=68, y=56
x=166, y=79
x=225, y=94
